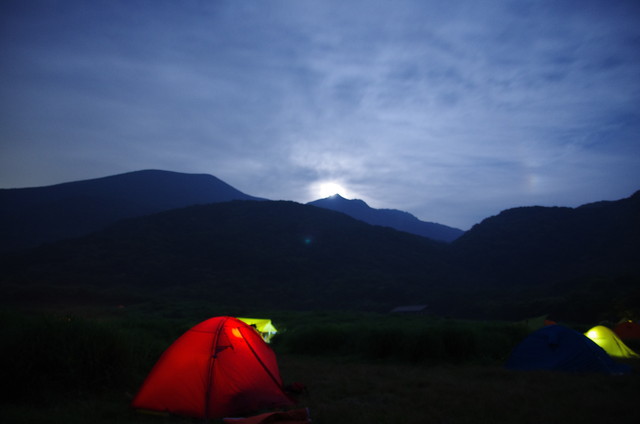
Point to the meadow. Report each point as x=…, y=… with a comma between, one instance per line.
x=84, y=366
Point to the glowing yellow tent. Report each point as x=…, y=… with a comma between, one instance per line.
x=264, y=327
x=607, y=339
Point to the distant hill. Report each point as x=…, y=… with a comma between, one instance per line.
x=31, y=216
x=273, y=254
x=572, y=261
x=577, y=263
x=400, y=220
x=552, y=243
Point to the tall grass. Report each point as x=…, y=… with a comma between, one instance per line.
x=358, y=392
x=45, y=357
x=410, y=341
x=358, y=368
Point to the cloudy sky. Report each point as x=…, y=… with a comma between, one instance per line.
x=451, y=110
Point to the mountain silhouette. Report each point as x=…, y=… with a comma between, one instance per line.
x=578, y=263
x=525, y=261
x=267, y=253
x=400, y=220
x=31, y=216
x=552, y=243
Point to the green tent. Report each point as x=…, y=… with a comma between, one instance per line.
x=264, y=327
x=607, y=339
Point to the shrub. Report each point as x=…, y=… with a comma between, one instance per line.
x=44, y=355
x=405, y=340
x=330, y=339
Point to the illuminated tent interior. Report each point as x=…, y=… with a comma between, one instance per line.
x=607, y=339
x=264, y=326
x=219, y=368
x=627, y=330
x=558, y=348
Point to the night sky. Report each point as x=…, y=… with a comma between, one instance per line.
x=450, y=110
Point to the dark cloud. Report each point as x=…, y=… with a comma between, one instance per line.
x=452, y=111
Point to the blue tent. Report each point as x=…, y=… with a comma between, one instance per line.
x=559, y=348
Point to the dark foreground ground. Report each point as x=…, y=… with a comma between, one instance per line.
x=365, y=393
x=379, y=393
x=85, y=366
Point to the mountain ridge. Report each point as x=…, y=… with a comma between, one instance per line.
x=400, y=220
x=258, y=252
x=35, y=215
x=595, y=238
x=529, y=261
x=525, y=261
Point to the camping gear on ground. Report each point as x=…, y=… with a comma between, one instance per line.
x=537, y=322
x=558, y=348
x=606, y=339
x=294, y=416
x=264, y=326
x=627, y=330
x=219, y=368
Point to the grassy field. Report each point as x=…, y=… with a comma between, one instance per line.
x=84, y=367
x=399, y=393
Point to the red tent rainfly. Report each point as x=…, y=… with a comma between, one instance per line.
x=627, y=330
x=219, y=368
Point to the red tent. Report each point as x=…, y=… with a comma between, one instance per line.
x=627, y=330
x=219, y=368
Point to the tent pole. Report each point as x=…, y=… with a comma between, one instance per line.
x=264, y=367
x=212, y=358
